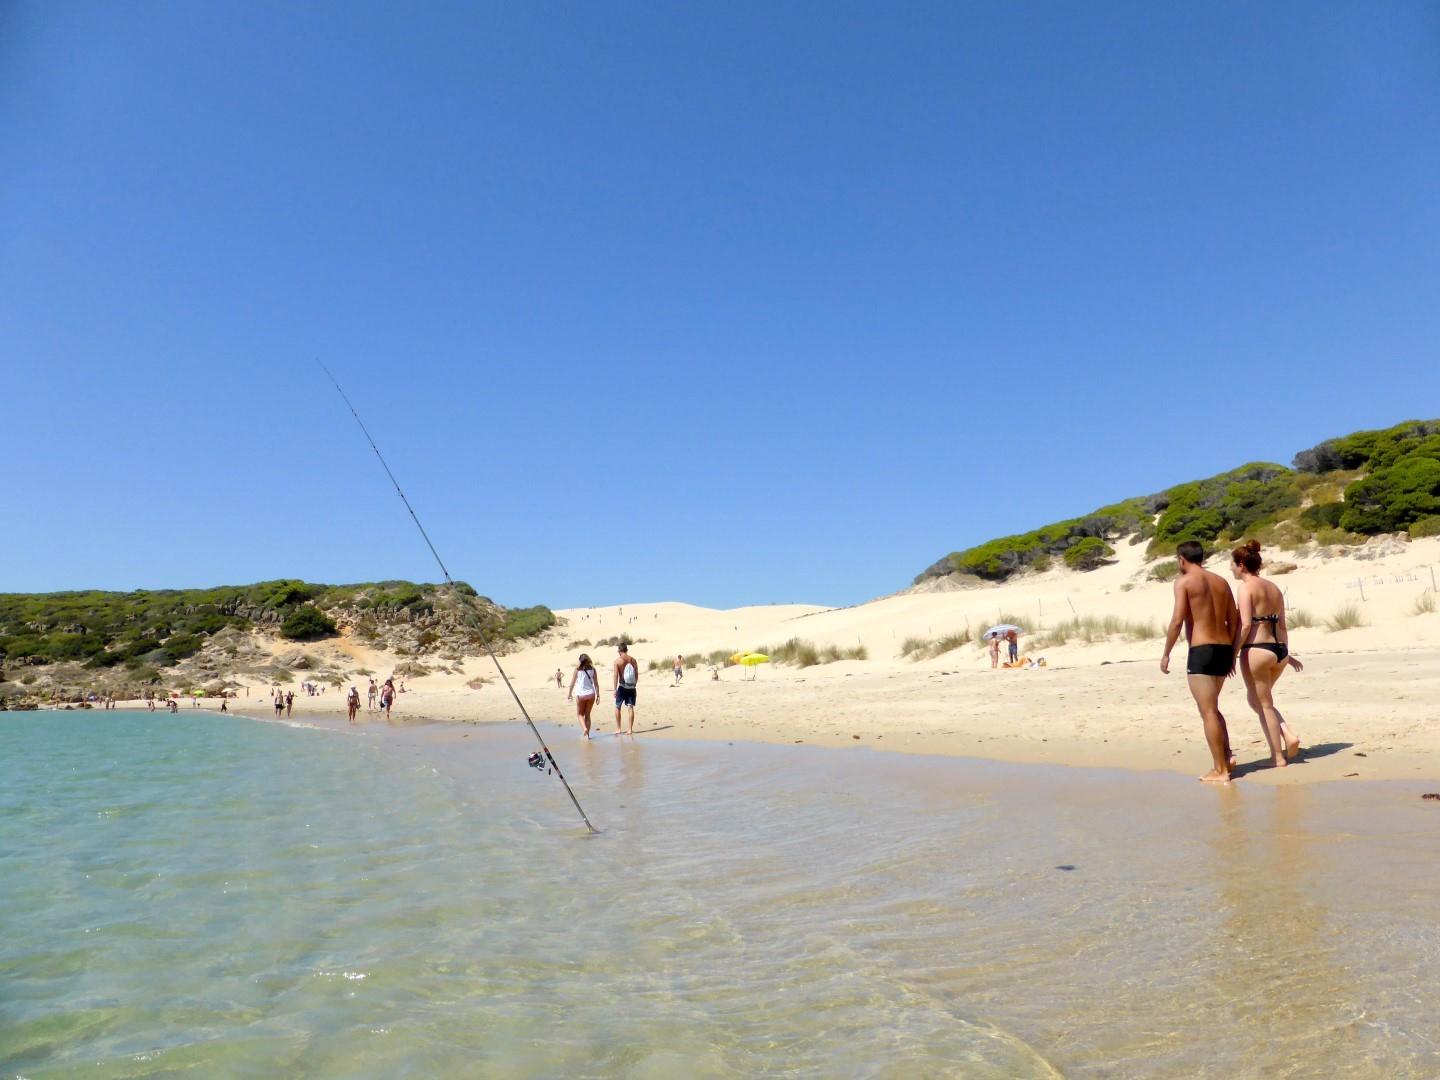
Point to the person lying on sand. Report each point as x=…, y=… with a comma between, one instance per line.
x=1205, y=608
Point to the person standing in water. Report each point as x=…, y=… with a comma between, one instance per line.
x=387, y=697
x=627, y=677
x=279, y=702
x=1262, y=643
x=352, y=703
x=584, y=689
x=1206, y=610
x=372, y=694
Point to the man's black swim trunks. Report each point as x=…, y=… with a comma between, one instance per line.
x=1209, y=660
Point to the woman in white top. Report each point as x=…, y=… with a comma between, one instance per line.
x=584, y=687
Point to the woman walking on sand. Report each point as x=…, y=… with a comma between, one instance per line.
x=584, y=686
x=1262, y=646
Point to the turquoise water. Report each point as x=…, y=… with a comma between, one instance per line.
x=216, y=896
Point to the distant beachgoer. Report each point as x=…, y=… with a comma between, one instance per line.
x=352, y=703
x=372, y=694
x=223, y=703
x=714, y=673
x=584, y=689
x=627, y=676
x=679, y=669
x=994, y=651
x=174, y=705
x=1206, y=610
x=1012, y=640
x=1262, y=642
x=289, y=702
x=387, y=697
x=150, y=701
x=559, y=679
x=279, y=702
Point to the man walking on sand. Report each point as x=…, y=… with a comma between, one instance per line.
x=1206, y=609
x=627, y=676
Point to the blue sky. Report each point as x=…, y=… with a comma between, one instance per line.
x=726, y=303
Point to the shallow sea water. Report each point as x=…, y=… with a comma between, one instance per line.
x=216, y=896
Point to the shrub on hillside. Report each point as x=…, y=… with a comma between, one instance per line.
x=1088, y=553
x=1393, y=496
x=1323, y=516
x=1426, y=526
x=1168, y=570
x=307, y=623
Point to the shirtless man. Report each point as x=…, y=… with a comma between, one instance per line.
x=627, y=674
x=1205, y=607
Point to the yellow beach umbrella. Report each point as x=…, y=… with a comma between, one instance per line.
x=751, y=659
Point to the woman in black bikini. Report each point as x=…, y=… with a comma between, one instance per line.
x=1262, y=644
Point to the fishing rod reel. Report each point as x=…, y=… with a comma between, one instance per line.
x=537, y=761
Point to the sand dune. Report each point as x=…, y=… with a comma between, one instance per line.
x=1366, y=702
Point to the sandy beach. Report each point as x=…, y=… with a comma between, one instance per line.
x=1365, y=704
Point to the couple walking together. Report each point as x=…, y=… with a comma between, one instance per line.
x=585, y=688
x=1224, y=635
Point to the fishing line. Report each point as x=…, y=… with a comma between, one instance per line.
x=549, y=761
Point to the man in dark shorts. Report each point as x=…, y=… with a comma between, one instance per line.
x=1205, y=607
x=627, y=675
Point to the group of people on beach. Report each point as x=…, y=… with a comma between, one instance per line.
x=383, y=695
x=1226, y=634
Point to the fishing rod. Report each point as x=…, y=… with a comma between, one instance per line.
x=536, y=761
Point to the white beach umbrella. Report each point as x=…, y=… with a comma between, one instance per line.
x=1002, y=630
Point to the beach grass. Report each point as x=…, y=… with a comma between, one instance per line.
x=1424, y=604
x=1345, y=618
x=1299, y=619
x=918, y=648
x=1093, y=628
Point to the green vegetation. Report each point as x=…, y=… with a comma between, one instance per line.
x=157, y=629
x=1168, y=570
x=307, y=623
x=1390, y=480
x=1086, y=554
x=1345, y=618
x=1426, y=526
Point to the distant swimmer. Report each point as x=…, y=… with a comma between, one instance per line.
x=1262, y=641
x=627, y=678
x=584, y=689
x=1206, y=610
x=352, y=703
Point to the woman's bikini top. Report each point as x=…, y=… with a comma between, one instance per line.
x=1274, y=620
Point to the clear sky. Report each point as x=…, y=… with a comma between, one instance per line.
x=718, y=302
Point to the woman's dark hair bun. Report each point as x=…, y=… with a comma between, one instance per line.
x=1248, y=555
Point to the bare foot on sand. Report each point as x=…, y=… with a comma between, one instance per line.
x=1215, y=776
x=1293, y=749
x=1278, y=763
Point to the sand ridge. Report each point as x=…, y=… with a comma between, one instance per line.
x=1365, y=705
